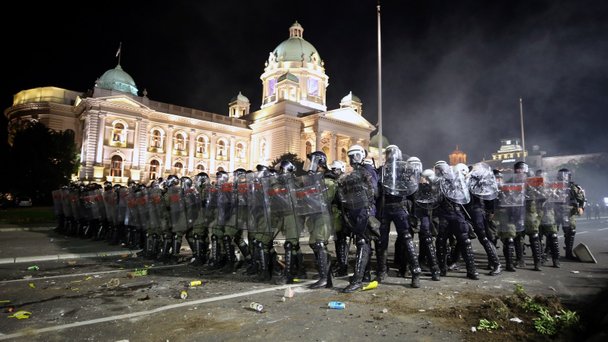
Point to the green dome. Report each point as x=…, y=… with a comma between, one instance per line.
x=296, y=48
x=117, y=79
x=239, y=97
x=373, y=142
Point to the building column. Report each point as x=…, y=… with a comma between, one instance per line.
x=191, y=149
x=231, y=155
x=135, y=163
x=212, y=163
x=169, y=148
x=333, y=150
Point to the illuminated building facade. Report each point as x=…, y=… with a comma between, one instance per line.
x=123, y=136
x=457, y=156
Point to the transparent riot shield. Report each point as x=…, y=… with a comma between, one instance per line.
x=93, y=199
x=454, y=186
x=242, y=211
x=400, y=178
x=258, y=204
x=310, y=195
x=132, y=215
x=556, y=190
x=209, y=198
x=280, y=193
x=142, y=208
x=192, y=203
x=354, y=190
x=57, y=205
x=512, y=193
x=123, y=193
x=535, y=188
x=225, y=201
x=155, y=206
x=77, y=211
x=177, y=209
x=482, y=182
x=428, y=195
x=66, y=203
x=110, y=201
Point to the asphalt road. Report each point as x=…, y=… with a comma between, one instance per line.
x=87, y=290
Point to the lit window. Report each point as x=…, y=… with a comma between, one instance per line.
x=272, y=86
x=240, y=151
x=156, y=139
x=180, y=142
x=313, y=86
x=179, y=168
x=117, y=132
x=154, y=167
x=201, y=145
x=221, y=149
x=116, y=167
x=200, y=168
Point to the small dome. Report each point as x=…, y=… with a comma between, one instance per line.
x=374, y=141
x=117, y=79
x=295, y=48
x=350, y=98
x=240, y=97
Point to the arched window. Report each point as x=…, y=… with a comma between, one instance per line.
x=156, y=139
x=308, y=148
x=343, y=156
x=180, y=142
x=118, y=132
x=263, y=152
x=116, y=166
x=200, y=168
x=240, y=151
x=201, y=145
x=154, y=169
x=221, y=149
x=179, y=168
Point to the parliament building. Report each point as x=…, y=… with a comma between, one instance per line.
x=123, y=136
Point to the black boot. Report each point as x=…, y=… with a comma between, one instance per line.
x=381, y=265
x=508, y=250
x=431, y=256
x=165, y=249
x=342, y=257
x=553, y=244
x=494, y=262
x=300, y=267
x=400, y=262
x=441, y=244
x=215, y=257
x=229, y=254
x=265, y=262
x=177, y=246
x=356, y=282
x=244, y=250
x=469, y=259
x=287, y=276
x=412, y=259
x=252, y=268
x=323, y=265
x=519, y=251
x=536, y=251
x=569, y=241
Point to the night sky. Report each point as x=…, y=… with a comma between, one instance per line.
x=452, y=71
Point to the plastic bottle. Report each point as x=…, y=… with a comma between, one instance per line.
x=336, y=305
x=256, y=306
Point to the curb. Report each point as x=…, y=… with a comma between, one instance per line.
x=17, y=260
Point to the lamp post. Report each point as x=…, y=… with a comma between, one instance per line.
x=380, y=154
x=521, y=121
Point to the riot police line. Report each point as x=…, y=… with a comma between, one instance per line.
x=445, y=206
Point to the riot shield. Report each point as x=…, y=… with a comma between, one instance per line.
x=242, y=212
x=75, y=205
x=556, y=190
x=66, y=203
x=354, y=190
x=57, y=205
x=123, y=193
x=93, y=198
x=155, y=207
x=454, y=186
x=132, y=215
x=280, y=193
x=192, y=203
x=512, y=193
x=400, y=178
x=482, y=182
x=177, y=209
x=535, y=188
x=109, y=201
x=209, y=195
x=225, y=201
x=310, y=195
x=142, y=208
x=258, y=204
x=428, y=195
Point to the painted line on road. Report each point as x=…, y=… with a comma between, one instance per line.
x=602, y=229
x=31, y=332
x=90, y=273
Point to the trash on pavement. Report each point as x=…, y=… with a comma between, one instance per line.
x=33, y=268
x=336, y=305
x=32, y=285
x=256, y=306
x=516, y=320
x=196, y=283
x=370, y=286
x=138, y=273
x=289, y=292
x=183, y=294
x=20, y=314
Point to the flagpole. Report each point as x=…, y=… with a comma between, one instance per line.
x=521, y=122
x=118, y=53
x=380, y=154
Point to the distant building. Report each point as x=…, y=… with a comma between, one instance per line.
x=457, y=156
x=123, y=136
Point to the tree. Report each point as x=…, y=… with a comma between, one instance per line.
x=41, y=160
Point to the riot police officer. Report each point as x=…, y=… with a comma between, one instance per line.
x=342, y=235
x=358, y=191
x=574, y=206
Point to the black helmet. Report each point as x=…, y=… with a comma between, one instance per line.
x=564, y=174
x=522, y=166
x=497, y=173
x=239, y=172
x=222, y=176
x=186, y=182
x=107, y=185
x=316, y=159
x=172, y=180
x=261, y=167
x=286, y=166
x=201, y=178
